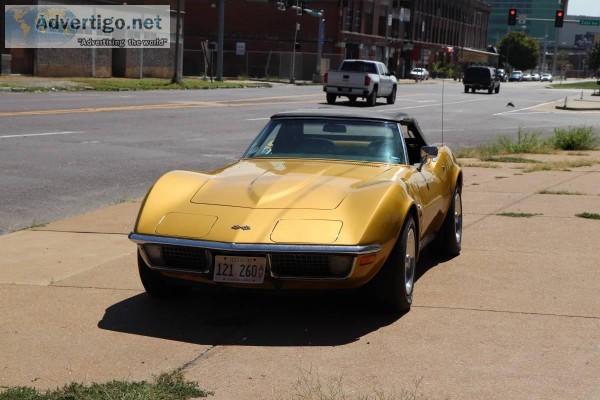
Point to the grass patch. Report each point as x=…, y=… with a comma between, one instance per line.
x=582, y=138
x=171, y=386
x=560, y=165
x=588, y=215
x=509, y=159
x=577, y=85
x=561, y=192
x=518, y=214
x=310, y=386
x=108, y=84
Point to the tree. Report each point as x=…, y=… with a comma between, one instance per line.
x=593, y=58
x=519, y=50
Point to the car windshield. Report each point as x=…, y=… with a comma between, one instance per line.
x=339, y=139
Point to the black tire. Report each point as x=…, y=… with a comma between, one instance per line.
x=497, y=90
x=490, y=90
x=466, y=89
x=395, y=282
x=450, y=235
x=352, y=99
x=331, y=98
x=155, y=284
x=372, y=98
x=391, y=99
x=472, y=90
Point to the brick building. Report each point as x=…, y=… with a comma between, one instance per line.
x=260, y=36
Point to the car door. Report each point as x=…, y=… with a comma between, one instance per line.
x=385, y=87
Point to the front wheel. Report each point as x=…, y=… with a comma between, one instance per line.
x=497, y=90
x=331, y=98
x=391, y=99
x=155, y=284
x=395, y=282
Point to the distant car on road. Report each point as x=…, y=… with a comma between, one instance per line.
x=481, y=78
x=527, y=76
x=546, y=77
x=501, y=75
x=360, y=78
x=535, y=76
x=419, y=74
x=516, y=76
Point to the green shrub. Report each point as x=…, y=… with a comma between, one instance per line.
x=582, y=138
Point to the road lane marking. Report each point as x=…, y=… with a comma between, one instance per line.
x=40, y=134
x=165, y=106
x=430, y=105
x=526, y=108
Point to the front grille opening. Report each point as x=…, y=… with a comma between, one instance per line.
x=179, y=257
x=298, y=265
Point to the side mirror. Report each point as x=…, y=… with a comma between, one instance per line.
x=427, y=153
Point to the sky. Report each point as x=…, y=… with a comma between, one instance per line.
x=589, y=8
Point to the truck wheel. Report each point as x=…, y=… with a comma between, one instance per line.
x=372, y=98
x=391, y=99
x=466, y=89
x=497, y=90
x=490, y=90
x=472, y=90
x=352, y=99
x=331, y=98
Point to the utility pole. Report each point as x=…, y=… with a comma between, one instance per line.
x=220, y=38
x=176, y=73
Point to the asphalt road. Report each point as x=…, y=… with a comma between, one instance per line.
x=62, y=154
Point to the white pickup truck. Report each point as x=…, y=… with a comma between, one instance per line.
x=360, y=78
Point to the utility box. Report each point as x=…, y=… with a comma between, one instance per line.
x=5, y=64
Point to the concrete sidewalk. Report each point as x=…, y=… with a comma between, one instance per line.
x=515, y=316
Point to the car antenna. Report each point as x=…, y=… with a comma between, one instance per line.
x=443, y=87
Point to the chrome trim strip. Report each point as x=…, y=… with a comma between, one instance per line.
x=258, y=248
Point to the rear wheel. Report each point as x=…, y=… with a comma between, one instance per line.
x=490, y=90
x=352, y=99
x=331, y=98
x=466, y=89
x=391, y=99
x=155, y=284
x=472, y=90
x=372, y=98
x=497, y=90
x=394, y=283
x=450, y=235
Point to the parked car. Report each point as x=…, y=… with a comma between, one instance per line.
x=481, y=78
x=516, y=76
x=526, y=77
x=419, y=74
x=321, y=200
x=546, y=77
x=535, y=77
x=360, y=78
x=501, y=75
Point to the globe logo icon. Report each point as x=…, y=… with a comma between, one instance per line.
x=38, y=26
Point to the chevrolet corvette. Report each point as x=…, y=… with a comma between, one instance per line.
x=321, y=199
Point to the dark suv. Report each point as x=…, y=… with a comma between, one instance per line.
x=481, y=78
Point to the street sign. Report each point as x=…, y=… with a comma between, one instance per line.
x=589, y=22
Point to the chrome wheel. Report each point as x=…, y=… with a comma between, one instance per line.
x=458, y=219
x=410, y=261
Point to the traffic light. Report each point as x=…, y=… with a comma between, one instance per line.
x=512, y=16
x=304, y=6
x=559, y=18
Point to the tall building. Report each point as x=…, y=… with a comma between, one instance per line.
x=536, y=18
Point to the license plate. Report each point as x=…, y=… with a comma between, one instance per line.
x=235, y=269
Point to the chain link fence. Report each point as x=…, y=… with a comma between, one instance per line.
x=258, y=64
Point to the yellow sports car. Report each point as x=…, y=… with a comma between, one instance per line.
x=321, y=199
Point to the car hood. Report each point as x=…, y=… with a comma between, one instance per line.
x=287, y=184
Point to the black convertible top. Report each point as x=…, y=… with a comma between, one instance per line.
x=344, y=114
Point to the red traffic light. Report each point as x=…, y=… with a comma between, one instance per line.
x=559, y=18
x=512, y=16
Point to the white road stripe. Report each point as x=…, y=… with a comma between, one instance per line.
x=39, y=134
x=432, y=105
x=522, y=109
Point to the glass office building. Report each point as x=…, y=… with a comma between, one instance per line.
x=529, y=12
